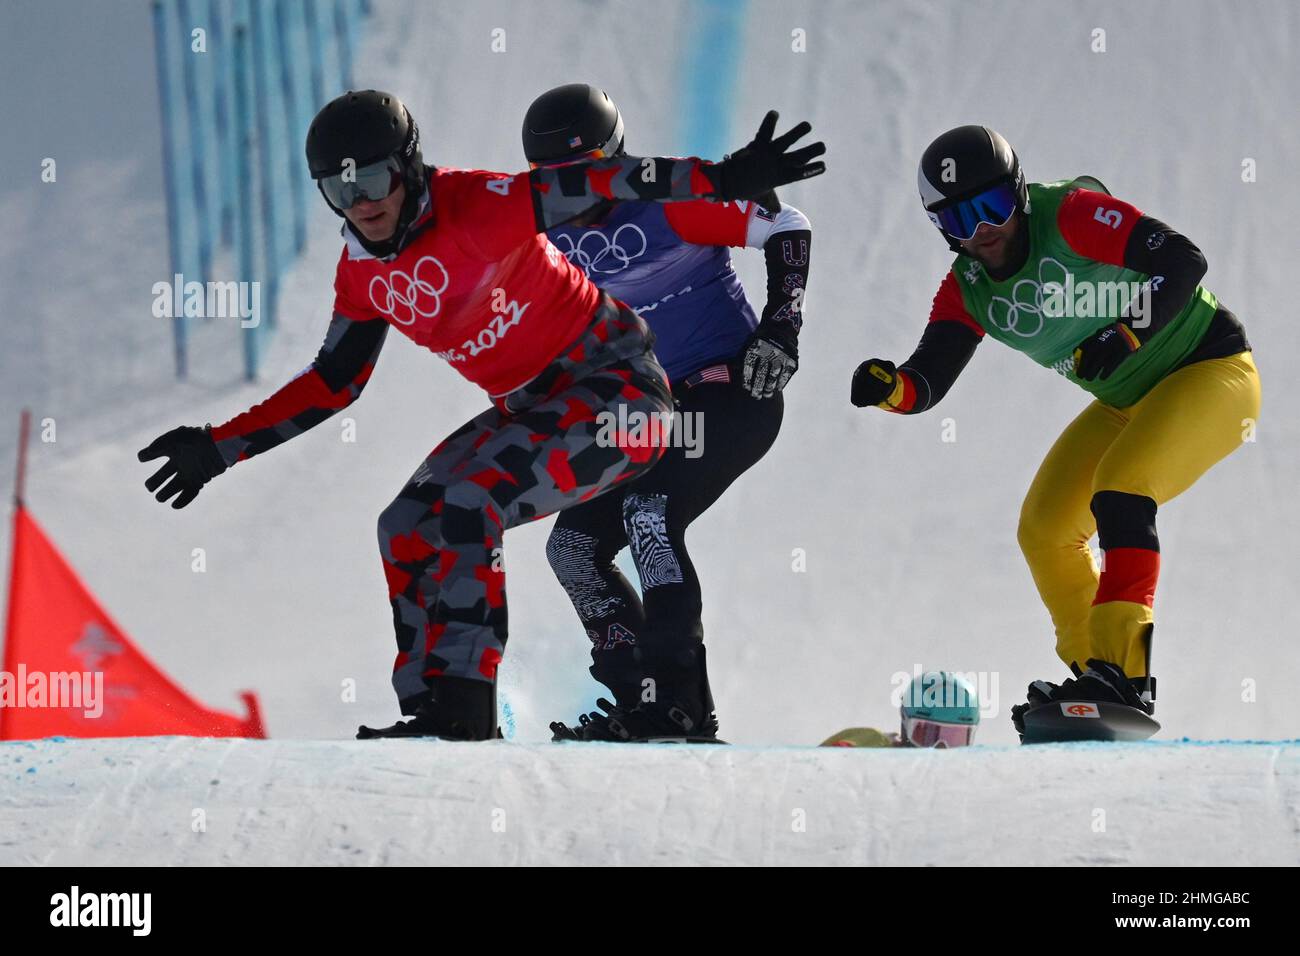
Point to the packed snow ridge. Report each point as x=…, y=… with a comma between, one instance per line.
x=172, y=800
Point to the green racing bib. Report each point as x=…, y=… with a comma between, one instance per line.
x=1059, y=298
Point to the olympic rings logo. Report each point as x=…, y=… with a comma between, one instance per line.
x=595, y=252
x=417, y=293
x=1026, y=300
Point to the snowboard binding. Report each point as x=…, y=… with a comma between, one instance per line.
x=688, y=718
x=1099, y=703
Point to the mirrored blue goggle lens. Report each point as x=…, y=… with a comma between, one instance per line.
x=994, y=206
x=374, y=182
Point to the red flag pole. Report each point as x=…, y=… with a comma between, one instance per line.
x=20, y=477
x=20, y=488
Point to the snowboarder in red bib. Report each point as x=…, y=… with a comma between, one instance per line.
x=456, y=260
x=1087, y=285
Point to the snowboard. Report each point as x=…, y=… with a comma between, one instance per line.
x=678, y=740
x=382, y=733
x=1059, y=721
x=649, y=740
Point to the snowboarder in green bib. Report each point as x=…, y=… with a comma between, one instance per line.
x=1087, y=285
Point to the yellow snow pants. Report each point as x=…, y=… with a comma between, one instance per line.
x=1157, y=449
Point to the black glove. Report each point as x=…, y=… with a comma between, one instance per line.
x=768, y=200
x=771, y=357
x=763, y=164
x=1101, y=353
x=193, y=461
x=873, y=382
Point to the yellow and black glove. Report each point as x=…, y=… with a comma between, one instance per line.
x=1101, y=353
x=876, y=382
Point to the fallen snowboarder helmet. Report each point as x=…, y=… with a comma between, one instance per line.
x=939, y=709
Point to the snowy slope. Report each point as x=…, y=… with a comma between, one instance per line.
x=417, y=803
x=910, y=541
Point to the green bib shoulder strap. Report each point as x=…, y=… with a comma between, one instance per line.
x=1089, y=182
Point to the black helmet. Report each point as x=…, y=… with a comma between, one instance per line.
x=572, y=121
x=368, y=126
x=364, y=126
x=963, y=163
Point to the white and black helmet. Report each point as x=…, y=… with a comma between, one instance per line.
x=957, y=177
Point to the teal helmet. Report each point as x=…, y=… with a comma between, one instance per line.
x=939, y=708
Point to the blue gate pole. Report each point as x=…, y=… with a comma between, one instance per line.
x=296, y=181
x=225, y=131
x=267, y=165
x=342, y=33
x=315, y=54
x=244, y=178
x=197, y=144
x=179, y=330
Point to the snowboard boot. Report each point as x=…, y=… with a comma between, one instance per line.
x=682, y=707
x=456, y=708
x=1104, y=681
x=619, y=670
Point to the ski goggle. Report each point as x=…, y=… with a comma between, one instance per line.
x=375, y=181
x=922, y=732
x=960, y=219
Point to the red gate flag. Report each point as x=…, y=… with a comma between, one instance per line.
x=70, y=671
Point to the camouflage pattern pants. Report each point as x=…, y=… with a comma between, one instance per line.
x=549, y=445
